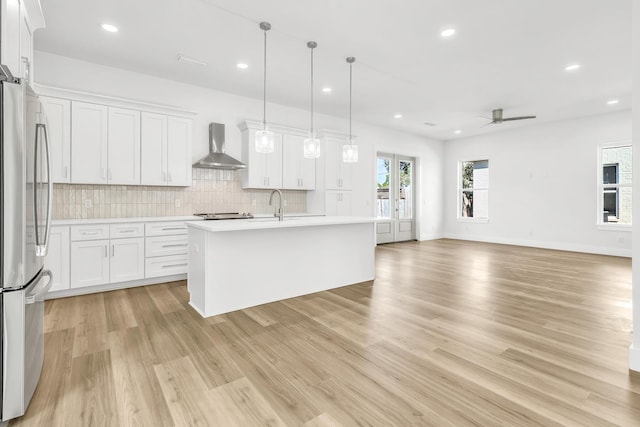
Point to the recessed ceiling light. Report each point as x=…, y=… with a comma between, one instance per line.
x=457, y=131
x=397, y=116
x=448, y=32
x=242, y=65
x=613, y=102
x=572, y=67
x=326, y=89
x=110, y=28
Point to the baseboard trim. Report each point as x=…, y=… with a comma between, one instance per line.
x=634, y=358
x=559, y=246
x=114, y=286
x=430, y=237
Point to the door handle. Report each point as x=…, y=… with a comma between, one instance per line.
x=39, y=296
x=41, y=247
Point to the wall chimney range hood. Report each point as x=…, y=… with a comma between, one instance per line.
x=217, y=159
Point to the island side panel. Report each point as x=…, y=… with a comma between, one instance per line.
x=197, y=273
x=253, y=267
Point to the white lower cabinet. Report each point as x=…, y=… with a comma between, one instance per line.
x=89, y=263
x=338, y=203
x=57, y=259
x=98, y=260
x=127, y=260
x=87, y=255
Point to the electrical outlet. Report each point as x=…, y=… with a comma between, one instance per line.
x=284, y=203
x=88, y=203
x=254, y=203
x=177, y=203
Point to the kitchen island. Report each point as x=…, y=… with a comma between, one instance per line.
x=243, y=263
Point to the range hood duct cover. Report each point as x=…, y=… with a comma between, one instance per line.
x=217, y=159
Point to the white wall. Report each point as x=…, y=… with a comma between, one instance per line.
x=542, y=185
x=634, y=351
x=222, y=107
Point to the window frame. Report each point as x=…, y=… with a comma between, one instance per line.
x=600, y=189
x=460, y=191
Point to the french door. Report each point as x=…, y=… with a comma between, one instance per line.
x=395, y=201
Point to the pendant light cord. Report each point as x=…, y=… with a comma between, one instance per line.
x=264, y=85
x=312, y=133
x=350, y=102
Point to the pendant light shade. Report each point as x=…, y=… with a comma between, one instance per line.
x=264, y=137
x=350, y=150
x=311, y=144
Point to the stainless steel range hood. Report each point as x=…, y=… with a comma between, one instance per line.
x=217, y=159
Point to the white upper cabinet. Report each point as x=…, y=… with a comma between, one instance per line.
x=166, y=150
x=18, y=20
x=298, y=172
x=105, y=145
x=10, y=37
x=264, y=170
x=58, y=118
x=337, y=173
x=154, y=149
x=89, y=149
x=180, y=132
x=123, y=160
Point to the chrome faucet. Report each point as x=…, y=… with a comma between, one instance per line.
x=280, y=212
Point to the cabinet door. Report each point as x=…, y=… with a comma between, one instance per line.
x=338, y=203
x=124, y=146
x=337, y=173
x=58, y=119
x=292, y=155
x=180, y=132
x=127, y=259
x=10, y=35
x=57, y=259
x=154, y=149
x=26, y=46
x=298, y=172
x=264, y=170
x=89, y=148
x=89, y=263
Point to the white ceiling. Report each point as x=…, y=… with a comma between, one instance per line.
x=506, y=53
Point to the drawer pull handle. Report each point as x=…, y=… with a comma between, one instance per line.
x=89, y=233
x=128, y=230
x=174, y=265
x=173, y=228
x=175, y=245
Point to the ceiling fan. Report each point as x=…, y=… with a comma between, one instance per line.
x=497, y=118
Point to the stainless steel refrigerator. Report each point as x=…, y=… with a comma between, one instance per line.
x=25, y=204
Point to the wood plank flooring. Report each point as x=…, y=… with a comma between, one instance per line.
x=451, y=333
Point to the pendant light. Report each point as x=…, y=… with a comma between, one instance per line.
x=312, y=144
x=350, y=150
x=264, y=137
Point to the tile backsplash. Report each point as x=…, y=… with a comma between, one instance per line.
x=211, y=191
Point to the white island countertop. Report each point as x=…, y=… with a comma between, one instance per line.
x=272, y=222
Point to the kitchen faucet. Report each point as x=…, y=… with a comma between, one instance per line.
x=280, y=212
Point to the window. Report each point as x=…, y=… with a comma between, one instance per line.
x=614, y=185
x=474, y=189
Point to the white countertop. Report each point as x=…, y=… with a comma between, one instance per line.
x=271, y=222
x=124, y=220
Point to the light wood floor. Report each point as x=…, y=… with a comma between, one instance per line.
x=450, y=333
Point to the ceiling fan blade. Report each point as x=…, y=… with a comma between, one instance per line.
x=508, y=119
x=490, y=123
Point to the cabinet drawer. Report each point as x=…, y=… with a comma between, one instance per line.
x=166, y=265
x=165, y=228
x=89, y=232
x=126, y=230
x=166, y=245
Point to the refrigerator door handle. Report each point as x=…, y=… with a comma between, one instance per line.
x=39, y=294
x=41, y=247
